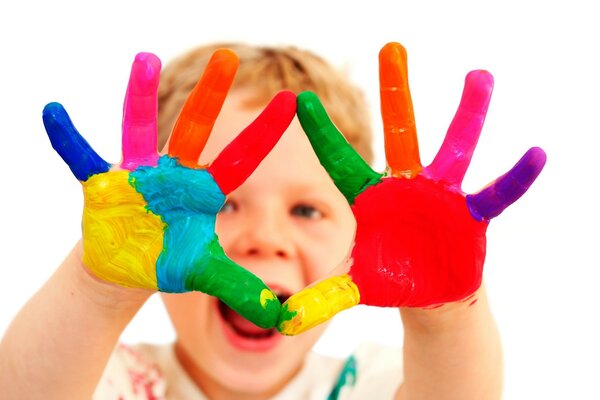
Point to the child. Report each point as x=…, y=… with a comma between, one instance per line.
x=289, y=225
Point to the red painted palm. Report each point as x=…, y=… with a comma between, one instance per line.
x=420, y=240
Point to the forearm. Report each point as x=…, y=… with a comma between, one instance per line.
x=58, y=344
x=452, y=352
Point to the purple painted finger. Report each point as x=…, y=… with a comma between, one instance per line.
x=507, y=189
x=140, y=112
x=453, y=158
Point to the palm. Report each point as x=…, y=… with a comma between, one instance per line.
x=149, y=222
x=418, y=246
x=129, y=216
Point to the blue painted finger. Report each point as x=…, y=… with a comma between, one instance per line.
x=70, y=145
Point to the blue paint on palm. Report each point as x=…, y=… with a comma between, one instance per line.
x=187, y=200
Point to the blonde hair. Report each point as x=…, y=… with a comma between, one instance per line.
x=269, y=70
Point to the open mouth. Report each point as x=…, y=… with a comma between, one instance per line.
x=244, y=333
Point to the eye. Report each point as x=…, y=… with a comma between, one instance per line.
x=229, y=207
x=306, y=211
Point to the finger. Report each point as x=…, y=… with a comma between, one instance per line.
x=453, y=158
x=350, y=173
x=241, y=157
x=196, y=120
x=140, y=113
x=237, y=287
x=70, y=145
x=317, y=304
x=507, y=189
x=400, y=132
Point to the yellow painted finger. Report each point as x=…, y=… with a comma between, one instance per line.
x=317, y=304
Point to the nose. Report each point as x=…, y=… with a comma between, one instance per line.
x=264, y=235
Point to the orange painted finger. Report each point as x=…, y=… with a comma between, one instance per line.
x=400, y=132
x=198, y=115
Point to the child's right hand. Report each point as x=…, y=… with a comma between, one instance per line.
x=149, y=222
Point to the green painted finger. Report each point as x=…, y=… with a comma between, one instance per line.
x=237, y=287
x=350, y=173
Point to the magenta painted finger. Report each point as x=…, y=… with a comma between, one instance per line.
x=140, y=112
x=507, y=189
x=241, y=157
x=453, y=158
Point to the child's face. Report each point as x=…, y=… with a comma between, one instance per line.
x=287, y=224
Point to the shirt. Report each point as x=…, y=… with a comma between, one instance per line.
x=152, y=372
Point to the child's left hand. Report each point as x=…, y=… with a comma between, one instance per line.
x=420, y=240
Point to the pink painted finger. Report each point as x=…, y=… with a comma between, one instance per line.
x=140, y=112
x=508, y=188
x=453, y=158
x=241, y=157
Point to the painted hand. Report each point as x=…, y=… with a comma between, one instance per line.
x=148, y=222
x=420, y=240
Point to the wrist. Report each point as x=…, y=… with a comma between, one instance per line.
x=104, y=294
x=446, y=316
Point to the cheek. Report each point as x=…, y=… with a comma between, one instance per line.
x=224, y=226
x=325, y=249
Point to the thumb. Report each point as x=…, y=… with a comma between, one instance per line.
x=320, y=301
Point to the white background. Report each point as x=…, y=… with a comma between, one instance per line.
x=542, y=264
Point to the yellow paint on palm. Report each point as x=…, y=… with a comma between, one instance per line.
x=318, y=303
x=122, y=238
